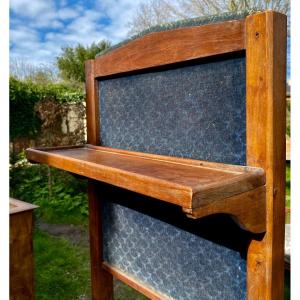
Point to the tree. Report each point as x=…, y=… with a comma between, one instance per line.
x=155, y=12
x=39, y=73
x=71, y=62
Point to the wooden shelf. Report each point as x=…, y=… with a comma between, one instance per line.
x=200, y=188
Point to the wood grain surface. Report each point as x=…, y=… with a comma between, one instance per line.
x=102, y=281
x=134, y=283
x=247, y=209
x=266, y=83
x=21, y=268
x=92, y=105
x=188, y=183
x=177, y=45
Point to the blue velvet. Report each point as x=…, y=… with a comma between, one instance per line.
x=195, y=111
x=182, y=258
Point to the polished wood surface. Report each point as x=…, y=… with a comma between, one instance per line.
x=179, y=182
x=21, y=274
x=247, y=209
x=134, y=283
x=266, y=75
x=102, y=281
x=92, y=105
x=177, y=45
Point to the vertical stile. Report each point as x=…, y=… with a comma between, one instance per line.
x=265, y=81
x=102, y=281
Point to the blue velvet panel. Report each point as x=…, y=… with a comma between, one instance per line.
x=196, y=111
x=182, y=258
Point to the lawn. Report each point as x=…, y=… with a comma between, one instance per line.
x=62, y=271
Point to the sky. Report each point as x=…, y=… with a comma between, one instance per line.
x=39, y=28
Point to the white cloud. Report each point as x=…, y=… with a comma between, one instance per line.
x=39, y=29
x=67, y=13
x=32, y=8
x=20, y=35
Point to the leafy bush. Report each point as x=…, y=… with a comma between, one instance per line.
x=24, y=95
x=62, y=197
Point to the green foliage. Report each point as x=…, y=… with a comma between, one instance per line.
x=23, y=121
x=62, y=271
x=62, y=197
x=23, y=96
x=71, y=62
x=288, y=185
x=287, y=285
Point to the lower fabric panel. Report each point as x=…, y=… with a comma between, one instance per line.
x=182, y=258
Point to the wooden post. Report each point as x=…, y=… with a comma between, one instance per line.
x=266, y=71
x=102, y=281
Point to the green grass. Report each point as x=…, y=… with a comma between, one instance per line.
x=124, y=292
x=62, y=271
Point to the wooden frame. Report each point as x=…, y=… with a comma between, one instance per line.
x=263, y=37
x=265, y=81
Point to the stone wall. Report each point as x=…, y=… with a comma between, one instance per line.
x=62, y=124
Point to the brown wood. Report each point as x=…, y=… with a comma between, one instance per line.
x=182, y=182
x=134, y=283
x=102, y=281
x=177, y=45
x=266, y=67
x=21, y=275
x=92, y=105
x=247, y=209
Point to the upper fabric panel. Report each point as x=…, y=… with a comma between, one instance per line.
x=195, y=111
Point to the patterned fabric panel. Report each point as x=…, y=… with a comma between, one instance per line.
x=195, y=111
x=182, y=258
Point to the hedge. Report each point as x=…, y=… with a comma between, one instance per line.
x=23, y=96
